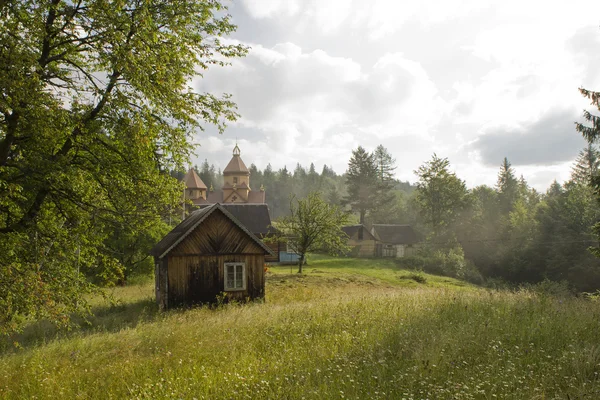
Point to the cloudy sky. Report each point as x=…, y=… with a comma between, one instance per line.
x=472, y=80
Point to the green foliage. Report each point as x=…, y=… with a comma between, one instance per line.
x=553, y=289
x=96, y=105
x=362, y=183
x=441, y=195
x=417, y=277
x=313, y=224
x=449, y=262
x=507, y=187
x=586, y=165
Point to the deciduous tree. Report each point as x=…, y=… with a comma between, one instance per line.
x=441, y=195
x=313, y=224
x=95, y=106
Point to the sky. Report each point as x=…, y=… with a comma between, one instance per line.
x=474, y=81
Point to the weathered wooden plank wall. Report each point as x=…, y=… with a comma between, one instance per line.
x=199, y=279
x=274, y=246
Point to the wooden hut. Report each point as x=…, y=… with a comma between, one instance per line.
x=396, y=240
x=206, y=255
x=362, y=242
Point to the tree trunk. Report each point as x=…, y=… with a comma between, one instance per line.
x=362, y=216
x=300, y=263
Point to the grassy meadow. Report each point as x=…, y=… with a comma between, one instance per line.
x=347, y=328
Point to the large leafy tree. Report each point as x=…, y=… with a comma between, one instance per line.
x=362, y=182
x=441, y=195
x=313, y=224
x=95, y=104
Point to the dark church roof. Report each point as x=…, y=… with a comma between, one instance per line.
x=194, y=220
x=396, y=234
x=254, y=197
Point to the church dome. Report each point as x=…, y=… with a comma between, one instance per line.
x=236, y=166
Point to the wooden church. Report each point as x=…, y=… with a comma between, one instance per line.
x=236, y=186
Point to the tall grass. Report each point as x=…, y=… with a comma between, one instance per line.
x=329, y=334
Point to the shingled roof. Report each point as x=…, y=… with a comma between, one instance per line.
x=255, y=217
x=396, y=234
x=352, y=230
x=236, y=166
x=188, y=225
x=193, y=181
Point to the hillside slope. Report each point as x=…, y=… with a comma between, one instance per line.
x=347, y=329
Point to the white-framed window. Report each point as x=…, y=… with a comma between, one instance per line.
x=235, y=276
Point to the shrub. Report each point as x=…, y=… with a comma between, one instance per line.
x=552, y=288
x=444, y=262
x=417, y=277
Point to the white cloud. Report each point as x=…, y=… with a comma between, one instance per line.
x=417, y=77
x=310, y=106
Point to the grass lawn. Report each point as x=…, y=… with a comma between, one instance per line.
x=347, y=328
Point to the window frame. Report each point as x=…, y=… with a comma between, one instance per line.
x=244, y=276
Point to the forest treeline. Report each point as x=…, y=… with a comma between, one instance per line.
x=506, y=233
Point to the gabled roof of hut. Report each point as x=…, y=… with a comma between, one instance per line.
x=352, y=230
x=193, y=181
x=396, y=234
x=255, y=217
x=195, y=219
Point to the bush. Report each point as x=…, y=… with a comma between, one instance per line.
x=445, y=262
x=417, y=277
x=552, y=288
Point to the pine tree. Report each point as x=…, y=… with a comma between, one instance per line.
x=586, y=165
x=507, y=187
x=387, y=203
x=385, y=164
x=205, y=174
x=362, y=183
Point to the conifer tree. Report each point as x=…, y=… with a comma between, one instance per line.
x=586, y=165
x=387, y=203
x=385, y=164
x=362, y=183
x=507, y=187
x=591, y=132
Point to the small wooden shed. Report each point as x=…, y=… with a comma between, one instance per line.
x=206, y=255
x=396, y=240
x=363, y=243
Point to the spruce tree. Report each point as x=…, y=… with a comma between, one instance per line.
x=586, y=165
x=386, y=204
x=362, y=183
x=385, y=164
x=507, y=187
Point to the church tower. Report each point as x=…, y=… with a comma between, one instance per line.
x=194, y=187
x=236, y=186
